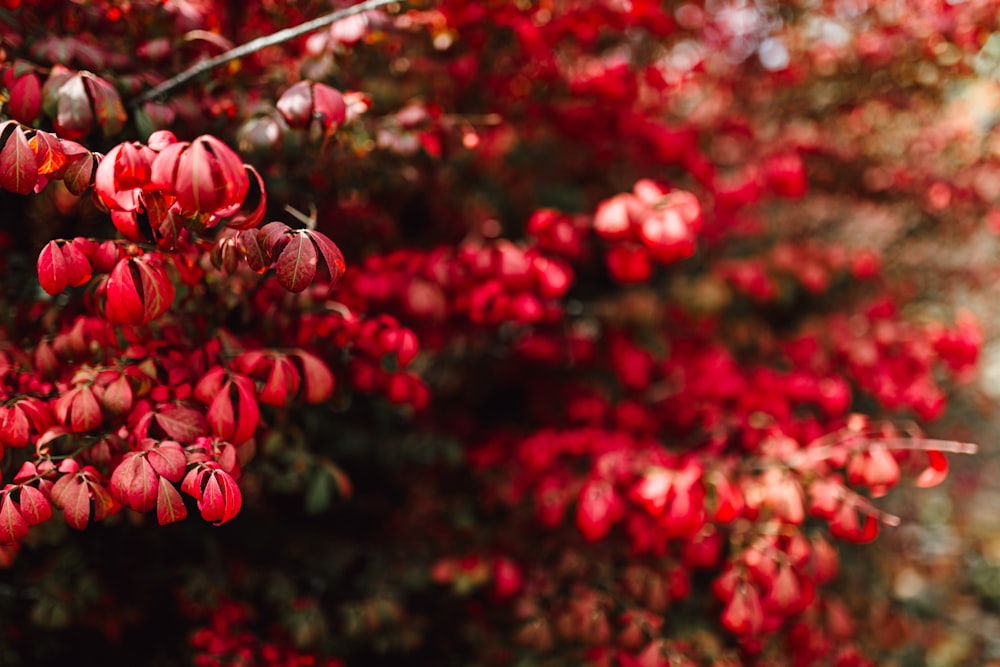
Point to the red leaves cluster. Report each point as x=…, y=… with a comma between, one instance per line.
x=29, y=157
x=294, y=253
x=646, y=224
x=283, y=377
x=144, y=480
x=61, y=265
x=200, y=182
x=138, y=290
x=30, y=508
x=153, y=430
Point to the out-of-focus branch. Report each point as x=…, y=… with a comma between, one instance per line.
x=256, y=45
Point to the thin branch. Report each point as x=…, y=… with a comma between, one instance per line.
x=256, y=45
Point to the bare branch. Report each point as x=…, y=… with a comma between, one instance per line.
x=256, y=45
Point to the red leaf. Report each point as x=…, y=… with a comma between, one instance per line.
x=25, y=99
x=936, y=471
x=72, y=493
x=168, y=460
x=221, y=499
x=78, y=269
x=191, y=484
x=78, y=409
x=221, y=417
x=296, y=266
x=50, y=90
x=14, y=429
x=164, y=169
x=248, y=412
x=253, y=250
x=121, y=175
x=282, y=383
x=104, y=503
x=134, y=482
x=117, y=398
x=74, y=117
x=182, y=424
x=169, y=505
x=107, y=105
x=48, y=152
x=80, y=166
x=210, y=384
x=157, y=289
x=319, y=380
x=196, y=186
x=328, y=106
x=595, y=510
x=273, y=238
x=296, y=105
x=18, y=165
x=51, y=265
x=35, y=507
x=209, y=177
x=252, y=219
x=232, y=173
x=331, y=255
x=127, y=224
x=13, y=526
x=123, y=302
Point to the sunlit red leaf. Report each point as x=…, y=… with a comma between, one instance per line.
x=48, y=152
x=18, y=165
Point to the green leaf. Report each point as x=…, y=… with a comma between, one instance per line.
x=319, y=492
